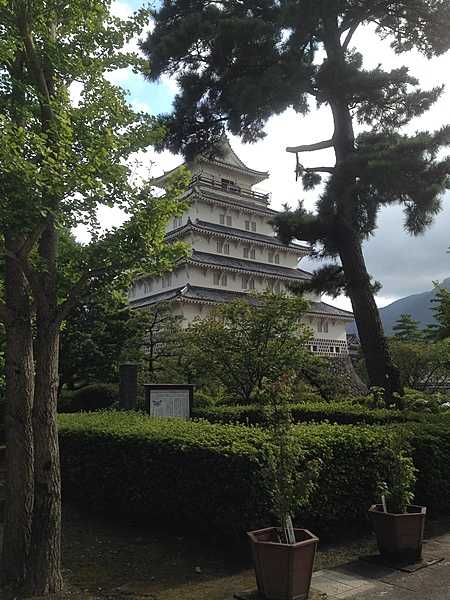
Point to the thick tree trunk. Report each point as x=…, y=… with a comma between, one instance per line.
x=18, y=426
x=45, y=553
x=381, y=370
x=44, y=574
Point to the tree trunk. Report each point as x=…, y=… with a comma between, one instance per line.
x=18, y=426
x=380, y=368
x=44, y=574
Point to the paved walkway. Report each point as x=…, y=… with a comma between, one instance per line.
x=361, y=580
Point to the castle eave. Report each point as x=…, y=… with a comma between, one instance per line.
x=236, y=234
x=218, y=261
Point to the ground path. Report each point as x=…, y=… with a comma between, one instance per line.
x=107, y=560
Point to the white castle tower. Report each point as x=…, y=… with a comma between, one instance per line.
x=234, y=252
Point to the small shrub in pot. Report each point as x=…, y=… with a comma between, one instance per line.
x=283, y=556
x=399, y=524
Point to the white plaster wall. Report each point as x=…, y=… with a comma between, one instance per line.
x=205, y=243
x=204, y=211
x=150, y=286
x=336, y=328
x=204, y=277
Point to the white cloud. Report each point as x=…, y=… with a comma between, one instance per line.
x=122, y=10
x=75, y=91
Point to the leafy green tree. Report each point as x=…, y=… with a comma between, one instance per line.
x=423, y=365
x=407, y=329
x=158, y=332
x=237, y=64
x=59, y=161
x=242, y=344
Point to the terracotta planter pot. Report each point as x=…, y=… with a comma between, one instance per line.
x=399, y=536
x=283, y=571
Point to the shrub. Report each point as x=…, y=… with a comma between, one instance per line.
x=344, y=413
x=210, y=478
x=431, y=451
x=96, y=396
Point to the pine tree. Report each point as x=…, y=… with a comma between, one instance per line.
x=407, y=329
x=237, y=64
x=441, y=311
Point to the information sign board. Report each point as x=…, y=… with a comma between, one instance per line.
x=169, y=400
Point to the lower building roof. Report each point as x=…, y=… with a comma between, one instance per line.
x=235, y=233
x=249, y=266
x=202, y=295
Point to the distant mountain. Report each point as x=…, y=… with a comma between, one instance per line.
x=419, y=306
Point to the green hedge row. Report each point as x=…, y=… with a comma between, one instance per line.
x=208, y=477
x=343, y=413
x=431, y=452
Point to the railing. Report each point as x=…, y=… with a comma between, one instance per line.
x=226, y=186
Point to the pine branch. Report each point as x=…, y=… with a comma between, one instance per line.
x=350, y=34
x=318, y=169
x=311, y=147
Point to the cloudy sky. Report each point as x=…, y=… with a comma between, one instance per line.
x=403, y=264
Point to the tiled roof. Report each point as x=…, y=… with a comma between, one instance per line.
x=218, y=260
x=220, y=296
x=327, y=309
x=251, y=236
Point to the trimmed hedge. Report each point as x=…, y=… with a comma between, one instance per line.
x=208, y=477
x=96, y=396
x=343, y=413
x=431, y=452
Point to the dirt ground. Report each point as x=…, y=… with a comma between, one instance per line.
x=106, y=560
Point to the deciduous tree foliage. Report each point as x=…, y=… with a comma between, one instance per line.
x=239, y=63
x=244, y=344
x=60, y=159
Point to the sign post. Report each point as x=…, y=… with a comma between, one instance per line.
x=169, y=400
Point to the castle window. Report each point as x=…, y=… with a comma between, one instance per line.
x=246, y=251
x=252, y=253
x=253, y=225
x=227, y=183
x=222, y=219
x=271, y=254
x=247, y=225
x=229, y=221
x=337, y=350
x=219, y=246
x=277, y=259
x=226, y=248
x=251, y=284
x=224, y=280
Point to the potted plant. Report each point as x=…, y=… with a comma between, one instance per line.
x=283, y=556
x=399, y=524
